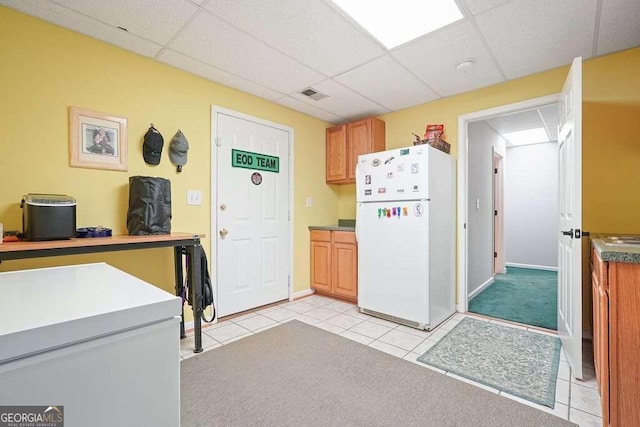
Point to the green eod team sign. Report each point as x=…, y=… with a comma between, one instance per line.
x=248, y=160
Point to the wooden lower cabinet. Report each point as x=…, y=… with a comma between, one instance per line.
x=600, y=297
x=616, y=339
x=321, y=260
x=334, y=264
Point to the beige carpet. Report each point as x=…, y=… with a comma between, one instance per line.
x=299, y=375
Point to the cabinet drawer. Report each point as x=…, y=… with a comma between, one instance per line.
x=344, y=237
x=320, y=235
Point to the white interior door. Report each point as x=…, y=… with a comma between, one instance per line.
x=570, y=215
x=251, y=212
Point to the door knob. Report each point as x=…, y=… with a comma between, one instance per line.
x=568, y=233
x=223, y=207
x=223, y=233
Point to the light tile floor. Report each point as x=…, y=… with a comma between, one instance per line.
x=577, y=401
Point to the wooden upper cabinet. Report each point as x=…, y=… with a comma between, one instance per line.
x=363, y=137
x=346, y=142
x=337, y=153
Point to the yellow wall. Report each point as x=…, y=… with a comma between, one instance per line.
x=46, y=69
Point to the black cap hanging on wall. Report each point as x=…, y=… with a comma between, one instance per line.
x=178, y=150
x=152, y=146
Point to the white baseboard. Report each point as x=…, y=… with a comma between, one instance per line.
x=301, y=294
x=482, y=287
x=532, y=266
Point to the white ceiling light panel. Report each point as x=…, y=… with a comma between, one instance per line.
x=527, y=137
x=396, y=22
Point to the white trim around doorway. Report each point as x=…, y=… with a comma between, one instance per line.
x=463, y=150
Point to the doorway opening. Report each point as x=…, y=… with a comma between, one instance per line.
x=508, y=259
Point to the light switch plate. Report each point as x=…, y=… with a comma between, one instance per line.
x=309, y=201
x=194, y=197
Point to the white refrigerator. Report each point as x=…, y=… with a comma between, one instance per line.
x=405, y=228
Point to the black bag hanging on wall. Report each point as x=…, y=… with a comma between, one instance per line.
x=149, y=206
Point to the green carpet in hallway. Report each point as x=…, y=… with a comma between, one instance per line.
x=521, y=295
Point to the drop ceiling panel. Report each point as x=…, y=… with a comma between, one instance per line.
x=531, y=36
x=294, y=104
x=400, y=90
x=515, y=122
x=271, y=48
x=619, y=26
x=479, y=6
x=213, y=41
x=308, y=30
x=342, y=102
x=155, y=20
x=51, y=12
x=186, y=63
x=433, y=60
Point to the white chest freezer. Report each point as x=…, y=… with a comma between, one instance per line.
x=95, y=340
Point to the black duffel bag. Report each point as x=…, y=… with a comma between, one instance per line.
x=149, y=206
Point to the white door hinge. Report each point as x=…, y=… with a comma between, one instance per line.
x=218, y=142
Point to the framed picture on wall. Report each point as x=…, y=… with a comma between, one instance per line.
x=97, y=140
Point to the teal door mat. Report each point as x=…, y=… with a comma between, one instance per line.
x=522, y=363
x=522, y=295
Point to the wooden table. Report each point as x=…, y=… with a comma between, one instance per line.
x=184, y=244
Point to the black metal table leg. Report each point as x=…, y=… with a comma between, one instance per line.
x=177, y=257
x=195, y=273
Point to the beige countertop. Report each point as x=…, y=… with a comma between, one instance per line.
x=342, y=225
x=332, y=228
x=617, y=248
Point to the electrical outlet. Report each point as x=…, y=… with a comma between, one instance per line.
x=309, y=201
x=194, y=197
